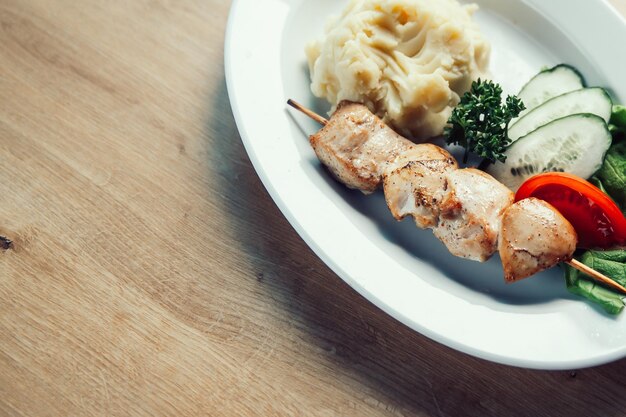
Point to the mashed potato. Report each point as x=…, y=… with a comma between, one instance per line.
x=407, y=60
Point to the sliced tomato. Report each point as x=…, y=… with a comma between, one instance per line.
x=597, y=219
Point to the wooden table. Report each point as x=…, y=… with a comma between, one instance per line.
x=151, y=274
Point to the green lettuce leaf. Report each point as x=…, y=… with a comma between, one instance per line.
x=598, y=183
x=612, y=174
x=618, y=116
x=612, y=264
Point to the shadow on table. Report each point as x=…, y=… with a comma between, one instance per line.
x=403, y=372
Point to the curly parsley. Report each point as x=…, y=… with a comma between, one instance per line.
x=480, y=122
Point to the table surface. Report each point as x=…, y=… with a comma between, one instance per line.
x=151, y=274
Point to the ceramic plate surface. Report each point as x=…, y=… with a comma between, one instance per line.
x=405, y=271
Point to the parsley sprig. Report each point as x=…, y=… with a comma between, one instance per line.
x=480, y=121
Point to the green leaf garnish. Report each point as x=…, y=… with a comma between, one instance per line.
x=612, y=264
x=480, y=121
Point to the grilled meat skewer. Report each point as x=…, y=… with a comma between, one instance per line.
x=468, y=210
x=462, y=206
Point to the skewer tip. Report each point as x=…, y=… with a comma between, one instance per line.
x=319, y=119
x=598, y=276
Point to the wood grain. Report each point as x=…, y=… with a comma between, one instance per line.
x=151, y=274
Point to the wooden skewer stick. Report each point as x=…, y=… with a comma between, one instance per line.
x=596, y=275
x=319, y=119
x=573, y=263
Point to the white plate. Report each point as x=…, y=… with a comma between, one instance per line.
x=405, y=271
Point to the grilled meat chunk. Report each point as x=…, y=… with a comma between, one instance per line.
x=534, y=236
x=418, y=187
x=471, y=211
x=357, y=147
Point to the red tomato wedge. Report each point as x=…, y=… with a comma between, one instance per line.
x=598, y=221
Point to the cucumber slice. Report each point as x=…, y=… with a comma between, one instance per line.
x=575, y=144
x=587, y=100
x=548, y=84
